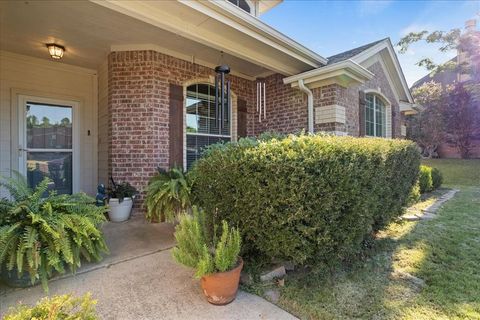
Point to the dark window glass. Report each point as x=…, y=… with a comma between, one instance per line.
x=203, y=121
x=375, y=114
x=55, y=165
x=242, y=4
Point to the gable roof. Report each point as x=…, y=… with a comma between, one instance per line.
x=342, y=56
x=390, y=63
x=444, y=77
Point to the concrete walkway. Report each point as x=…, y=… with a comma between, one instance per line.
x=139, y=280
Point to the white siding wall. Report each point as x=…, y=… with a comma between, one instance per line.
x=37, y=77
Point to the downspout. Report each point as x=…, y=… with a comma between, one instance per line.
x=309, y=93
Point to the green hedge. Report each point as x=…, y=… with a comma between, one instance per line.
x=425, y=179
x=429, y=179
x=437, y=178
x=306, y=198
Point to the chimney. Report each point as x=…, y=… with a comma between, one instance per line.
x=470, y=25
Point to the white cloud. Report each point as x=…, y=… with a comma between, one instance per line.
x=372, y=7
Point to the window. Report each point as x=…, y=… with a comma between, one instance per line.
x=203, y=121
x=375, y=116
x=242, y=4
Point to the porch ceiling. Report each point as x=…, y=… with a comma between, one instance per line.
x=89, y=31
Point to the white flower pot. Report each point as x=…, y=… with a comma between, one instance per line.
x=119, y=211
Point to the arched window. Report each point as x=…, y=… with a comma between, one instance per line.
x=203, y=121
x=375, y=116
x=243, y=4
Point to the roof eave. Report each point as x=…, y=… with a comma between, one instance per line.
x=386, y=44
x=344, y=73
x=231, y=11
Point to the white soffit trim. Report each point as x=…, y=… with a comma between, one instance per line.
x=408, y=108
x=343, y=73
x=150, y=12
x=386, y=44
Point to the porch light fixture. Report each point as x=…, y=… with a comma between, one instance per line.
x=56, y=51
x=222, y=94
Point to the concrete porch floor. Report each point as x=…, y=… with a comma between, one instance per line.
x=139, y=280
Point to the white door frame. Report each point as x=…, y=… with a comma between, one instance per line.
x=22, y=137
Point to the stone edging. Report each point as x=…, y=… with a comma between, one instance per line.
x=431, y=211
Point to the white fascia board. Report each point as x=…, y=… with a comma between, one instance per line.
x=386, y=44
x=408, y=108
x=147, y=12
x=257, y=29
x=349, y=68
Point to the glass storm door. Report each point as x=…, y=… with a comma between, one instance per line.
x=46, y=147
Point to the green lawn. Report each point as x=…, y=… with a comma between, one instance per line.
x=416, y=270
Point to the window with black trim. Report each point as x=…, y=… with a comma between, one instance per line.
x=375, y=116
x=203, y=121
x=242, y=4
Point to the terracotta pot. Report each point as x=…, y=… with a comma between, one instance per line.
x=221, y=288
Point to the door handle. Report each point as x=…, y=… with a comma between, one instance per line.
x=21, y=149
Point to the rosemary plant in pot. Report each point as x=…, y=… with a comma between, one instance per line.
x=120, y=201
x=216, y=261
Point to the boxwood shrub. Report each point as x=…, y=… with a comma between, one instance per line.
x=306, y=198
x=425, y=179
x=437, y=178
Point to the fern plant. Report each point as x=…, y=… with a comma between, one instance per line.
x=42, y=232
x=195, y=250
x=57, y=307
x=168, y=194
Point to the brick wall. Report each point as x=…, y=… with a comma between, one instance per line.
x=286, y=108
x=138, y=117
x=348, y=97
x=138, y=108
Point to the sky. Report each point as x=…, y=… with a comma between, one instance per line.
x=330, y=27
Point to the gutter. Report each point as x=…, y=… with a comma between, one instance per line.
x=303, y=88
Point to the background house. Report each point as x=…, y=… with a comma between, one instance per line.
x=136, y=83
x=449, y=77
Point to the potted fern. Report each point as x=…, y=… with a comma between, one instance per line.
x=216, y=261
x=168, y=194
x=42, y=233
x=120, y=201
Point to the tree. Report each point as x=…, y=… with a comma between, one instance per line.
x=461, y=117
x=460, y=103
x=467, y=43
x=427, y=127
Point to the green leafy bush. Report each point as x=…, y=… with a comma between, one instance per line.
x=415, y=195
x=42, y=232
x=168, y=194
x=306, y=198
x=197, y=249
x=56, y=308
x=425, y=179
x=121, y=191
x=437, y=178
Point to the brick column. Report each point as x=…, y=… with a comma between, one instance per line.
x=138, y=116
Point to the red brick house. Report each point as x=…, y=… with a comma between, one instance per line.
x=134, y=88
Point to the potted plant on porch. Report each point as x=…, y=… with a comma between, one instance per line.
x=168, y=194
x=120, y=201
x=42, y=233
x=216, y=260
